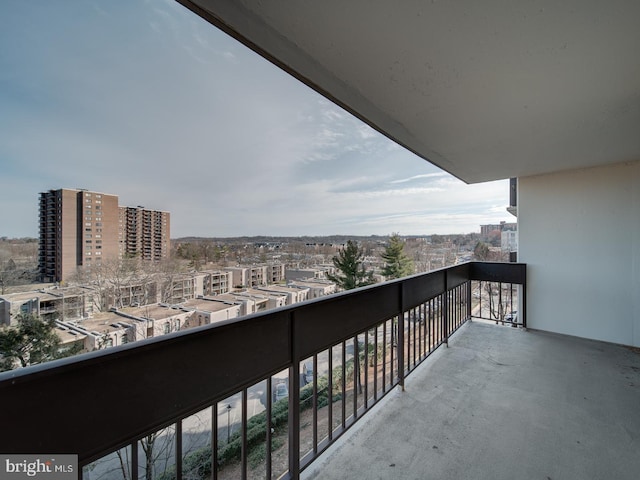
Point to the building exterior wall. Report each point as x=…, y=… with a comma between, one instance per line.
x=509, y=241
x=144, y=233
x=238, y=276
x=579, y=233
x=80, y=228
x=216, y=283
x=275, y=273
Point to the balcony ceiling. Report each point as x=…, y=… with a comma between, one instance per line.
x=484, y=90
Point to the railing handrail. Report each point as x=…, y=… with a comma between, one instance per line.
x=117, y=395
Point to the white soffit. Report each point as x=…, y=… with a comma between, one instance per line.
x=484, y=89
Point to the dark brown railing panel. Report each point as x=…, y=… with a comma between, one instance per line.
x=136, y=388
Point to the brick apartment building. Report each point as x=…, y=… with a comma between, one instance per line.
x=80, y=228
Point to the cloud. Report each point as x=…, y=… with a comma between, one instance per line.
x=417, y=177
x=149, y=102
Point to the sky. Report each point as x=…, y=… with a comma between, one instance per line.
x=145, y=100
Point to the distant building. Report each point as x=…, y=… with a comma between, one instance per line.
x=509, y=241
x=50, y=303
x=318, y=272
x=144, y=233
x=80, y=228
x=293, y=294
x=257, y=275
x=485, y=230
x=317, y=288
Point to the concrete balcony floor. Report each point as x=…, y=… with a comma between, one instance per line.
x=502, y=403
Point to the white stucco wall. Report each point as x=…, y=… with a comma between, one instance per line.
x=579, y=233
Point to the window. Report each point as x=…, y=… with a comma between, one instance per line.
x=88, y=224
x=87, y=229
x=87, y=235
x=98, y=236
x=167, y=328
x=125, y=338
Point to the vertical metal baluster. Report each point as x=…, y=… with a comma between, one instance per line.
x=366, y=369
x=500, y=303
x=330, y=395
x=429, y=325
x=384, y=356
x=344, y=384
x=445, y=316
x=401, y=347
x=414, y=336
x=421, y=331
x=178, y=450
x=315, y=404
x=134, y=460
x=511, y=302
x=375, y=365
x=294, y=405
x=214, y=441
x=394, y=347
x=243, y=423
x=269, y=440
x=356, y=376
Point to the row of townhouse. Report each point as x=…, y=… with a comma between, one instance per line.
x=78, y=303
x=257, y=275
x=121, y=326
x=49, y=303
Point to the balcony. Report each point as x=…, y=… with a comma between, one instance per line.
x=503, y=403
x=498, y=401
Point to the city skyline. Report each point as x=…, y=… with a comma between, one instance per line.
x=146, y=101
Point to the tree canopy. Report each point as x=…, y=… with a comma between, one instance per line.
x=396, y=262
x=31, y=341
x=351, y=270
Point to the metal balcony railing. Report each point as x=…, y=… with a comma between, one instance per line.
x=269, y=392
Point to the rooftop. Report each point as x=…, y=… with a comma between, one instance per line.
x=212, y=304
x=502, y=402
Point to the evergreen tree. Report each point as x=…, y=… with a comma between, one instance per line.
x=351, y=270
x=31, y=341
x=396, y=262
x=481, y=251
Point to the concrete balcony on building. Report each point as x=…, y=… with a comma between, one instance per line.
x=502, y=403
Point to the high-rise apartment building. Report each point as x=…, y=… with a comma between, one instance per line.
x=144, y=233
x=80, y=228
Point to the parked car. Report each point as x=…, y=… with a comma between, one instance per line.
x=511, y=317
